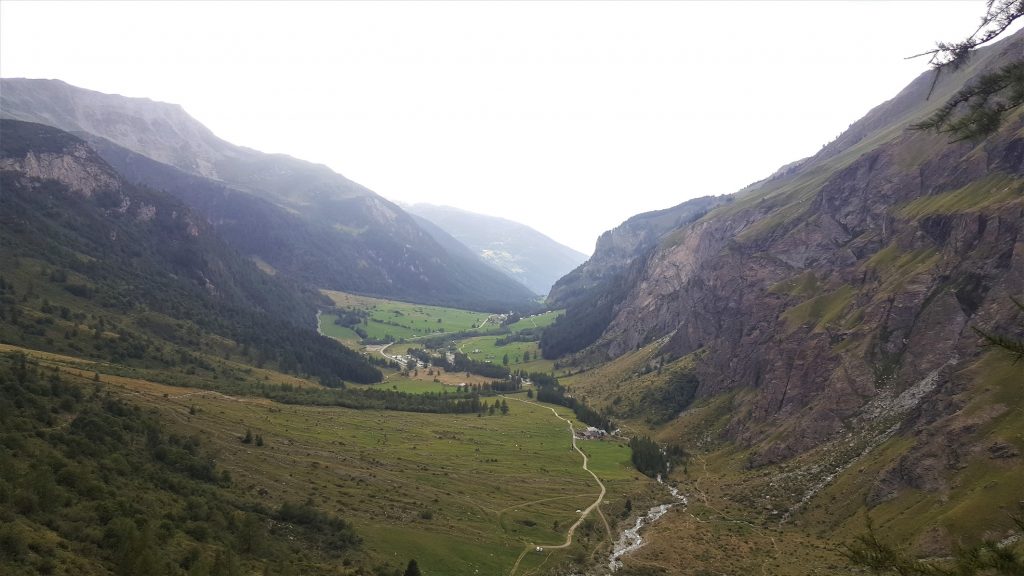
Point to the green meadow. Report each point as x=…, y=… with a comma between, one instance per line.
x=484, y=348
x=536, y=321
x=390, y=318
x=462, y=494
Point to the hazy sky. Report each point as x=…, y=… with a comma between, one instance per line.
x=569, y=117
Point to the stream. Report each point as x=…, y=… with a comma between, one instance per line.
x=631, y=539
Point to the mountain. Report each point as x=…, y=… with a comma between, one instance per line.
x=315, y=225
x=591, y=291
x=818, y=326
x=139, y=270
x=516, y=249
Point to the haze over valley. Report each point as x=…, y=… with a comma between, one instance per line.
x=216, y=360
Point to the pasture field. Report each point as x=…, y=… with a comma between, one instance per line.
x=488, y=350
x=536, y=321
x=403, y=320
x=462, y=494
x=342, y=333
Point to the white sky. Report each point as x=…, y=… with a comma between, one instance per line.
x=569, y=117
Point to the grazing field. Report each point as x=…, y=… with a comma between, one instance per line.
x=343, y=333
x=398, y=320
x=536, y=321
x=462, y=494
x=483, y=348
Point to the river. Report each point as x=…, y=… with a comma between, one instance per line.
x=631, y=539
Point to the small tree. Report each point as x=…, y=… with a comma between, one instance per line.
x=504, y=407
x=412, y=569
x=248, y=436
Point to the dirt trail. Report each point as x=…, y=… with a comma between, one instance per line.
x=585, y=513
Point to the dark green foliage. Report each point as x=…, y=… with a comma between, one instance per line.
x=377, y=399
x=651, y=459
x=664, y=403
x=550, y=391
x=332, y=534
x=88, y=476
x=462, y=363
x=978, y=109
x=584, y=320
x=412, y=569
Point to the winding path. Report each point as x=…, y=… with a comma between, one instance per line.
x=585, y=513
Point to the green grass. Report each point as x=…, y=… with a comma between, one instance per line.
x=896, y=267
x=805, y=285
x=461, y=494
x=343, y=333
x=994, y=189
x=821, y=310
x=488, y=350
x=403, y=320
x=538, y=321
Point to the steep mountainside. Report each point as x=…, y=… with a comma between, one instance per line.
x=516, y=249
x=74, y=230
x=832, y=305
x=591, y=291
x=336, y=233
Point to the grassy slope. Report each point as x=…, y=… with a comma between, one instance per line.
x=734, y=523
x=479, y=479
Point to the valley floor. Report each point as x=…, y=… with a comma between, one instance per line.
x=462, y=494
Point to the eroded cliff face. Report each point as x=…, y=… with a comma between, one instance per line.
x=618, y=248
x=75, y=167
x=873, y=283
x=854, y=275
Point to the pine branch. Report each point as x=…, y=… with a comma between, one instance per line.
x=978, y=110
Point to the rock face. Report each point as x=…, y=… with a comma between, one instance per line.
x=855, y=273
x=617, y=249
x=75, y=167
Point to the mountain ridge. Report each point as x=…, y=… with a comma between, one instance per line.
x=528, y=256
x=827, y=313
x=355, y=229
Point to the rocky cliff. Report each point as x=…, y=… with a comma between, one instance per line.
x=852, y=274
